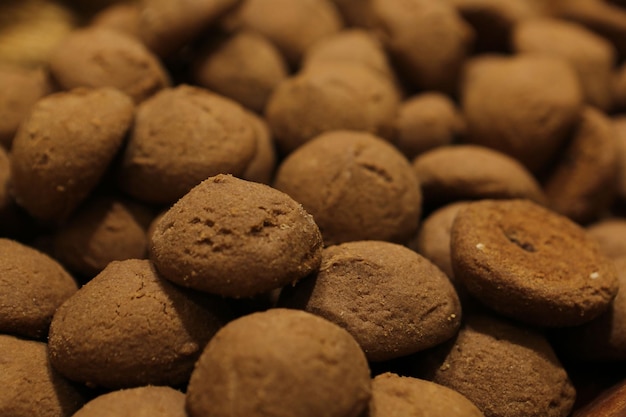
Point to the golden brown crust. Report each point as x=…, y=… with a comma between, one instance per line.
x=136, y=402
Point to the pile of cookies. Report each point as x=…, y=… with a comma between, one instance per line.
x=304, y=208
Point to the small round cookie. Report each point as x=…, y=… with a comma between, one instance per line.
x=21, y=88
x=427, y=39
x=472, y=172
x=262, y=166
x=280, y=362
x=166, y=26
x=394, y=395
x=32, y=287
x=334, y=96
x=503, y=369
x=433, y=237
x=235, y=238
x=180, y=137
x=357, y=187
x=529, y=263
x=64, y=146
x=426, y=121
x=604, y=338
x=102, y=231
x=592, y=56
x=129, y=327
x=527, y=118
x=293, y=26
x=583, y=180
x=143, y=401
x=102, y=57
x=610, y=234
x=30, y=387
x=392, y=300
x=245, y=67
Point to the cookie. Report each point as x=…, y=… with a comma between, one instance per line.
x=276, y=362
x=263, y=164
x=356, y=186
x=180, y=137
x=393, y=301
x=235, y=238
x=128, y=327
x=610, y=234
x=401, y=395
x=31, y=387
x=472, y=172
x=33, y=286
x=142, y=401
x=529, y=263
x=63, y=148
x=122, y=17
x=101, y=57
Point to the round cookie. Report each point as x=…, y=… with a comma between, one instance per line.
x=527, y=118
x=610, y=234
x=334, y=96
x=101, y=57
x=527, y=262
x=30, y=387
x=472, y=172
x=280, y=362
x=394, y=395
x=129, y=327
x=32, y=287
x=64, y=146
x=182, y=136
x=245, y=67
x=235, y=238
x=393, y=301
x=356, y=186
x=143, y=401
x=503, y=369
x=122, y=17
x=262, y=166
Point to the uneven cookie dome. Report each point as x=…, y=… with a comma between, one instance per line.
x=235, y=238
x=280, y=362
x=143, y=401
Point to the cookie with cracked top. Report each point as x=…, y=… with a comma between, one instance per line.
x=529, y=263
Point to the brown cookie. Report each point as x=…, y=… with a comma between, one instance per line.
x=527, y=262
x=280, y=362
x=262, y=166
x=30, y=387
x=583, y=181
x=356, y=186
x=525, y=117
x=392, y=300
x=64, y=146
x=338, y=95
x=503, y=369
x=32, y=287
x=122, y=17
x=591, y=56
x=100, y=232
x=426, y=121
x=610, y=234
x=245, y=67
x=102, y=57
x=182, y=136
x=129, y=327
x=235, y=238
x=472, y=172
x=394, y=395
x=143, y=401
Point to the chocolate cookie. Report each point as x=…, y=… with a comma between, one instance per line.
x=143, y=401
x=392, y=300
x=394, y=395
x=30, y=387
x=235, y=238
x=529, y=263
x=64, y=146
x=101, y=57
x=280, y=362
x=182, y=136
x=129, y=327
x=356, y=186
x=32, y=287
